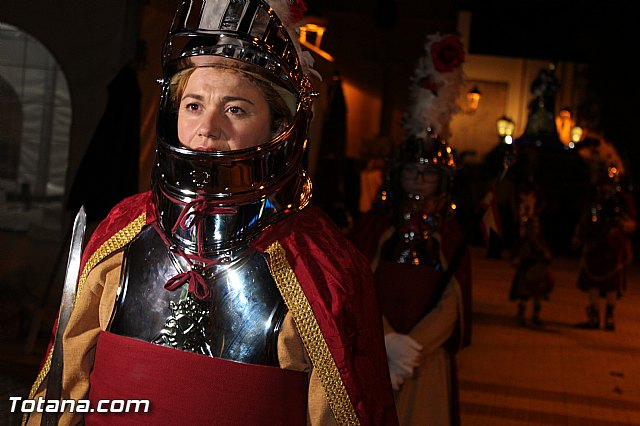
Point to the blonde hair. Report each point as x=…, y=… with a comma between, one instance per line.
x=281, y=113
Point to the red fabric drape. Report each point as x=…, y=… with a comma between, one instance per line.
x=191, y=389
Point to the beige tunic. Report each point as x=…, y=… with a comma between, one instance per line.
x=425, y=398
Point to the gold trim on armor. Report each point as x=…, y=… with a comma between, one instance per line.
x=312, y=337
x=117, y=241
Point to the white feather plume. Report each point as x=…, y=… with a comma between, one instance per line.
x=282, y=8
x=432, y=104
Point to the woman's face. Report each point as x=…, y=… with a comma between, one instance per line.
x=222, y=110
x=422, y=180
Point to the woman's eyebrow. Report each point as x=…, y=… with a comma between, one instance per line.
x=236, y=98
x=199, y=97
x=194, y=96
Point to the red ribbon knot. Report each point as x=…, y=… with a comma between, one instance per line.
x=194, y=212
x=197, y=284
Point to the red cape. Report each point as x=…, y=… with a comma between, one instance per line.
x=337, y=282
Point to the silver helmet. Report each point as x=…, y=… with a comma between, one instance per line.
x=207, y=202
x=428, y=150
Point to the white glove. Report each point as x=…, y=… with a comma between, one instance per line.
x=403, y=355
x=397, y=377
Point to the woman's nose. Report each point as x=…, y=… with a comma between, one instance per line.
x=209, y=125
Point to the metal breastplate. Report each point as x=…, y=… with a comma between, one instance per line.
x=239, y=321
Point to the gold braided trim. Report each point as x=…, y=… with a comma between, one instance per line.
x=117, y=241
x=311, y=335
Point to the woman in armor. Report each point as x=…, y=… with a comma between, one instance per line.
x=411, y=238
x=221, y=296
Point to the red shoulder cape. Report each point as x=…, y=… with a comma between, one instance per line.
x=337, y=282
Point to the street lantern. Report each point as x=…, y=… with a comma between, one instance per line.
x=505, y=127
x=473, y=99
x=311, y=38
x=576, y=134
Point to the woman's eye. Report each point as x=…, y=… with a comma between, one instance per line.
x=192, y=107
x=235, y=110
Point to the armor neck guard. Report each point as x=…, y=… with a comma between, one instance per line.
x=417, y=220
x=214, y=227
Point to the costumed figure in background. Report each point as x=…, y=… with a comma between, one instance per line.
x=531, y=256
x=541, y=124
x=221, y=296
x=410, y=237
x=605, y=231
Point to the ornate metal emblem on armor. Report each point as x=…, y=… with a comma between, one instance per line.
x=185, y=327
x=416, y=245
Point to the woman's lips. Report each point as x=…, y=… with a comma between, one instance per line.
x=207, y=148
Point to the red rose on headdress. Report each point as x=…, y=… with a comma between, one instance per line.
x=447, y=54
x=297, y=10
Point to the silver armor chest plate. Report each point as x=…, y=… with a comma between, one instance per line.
x=239, y=321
